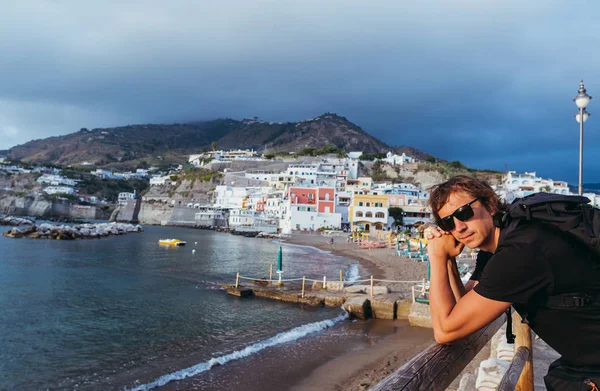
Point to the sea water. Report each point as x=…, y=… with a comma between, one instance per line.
x=125, y=313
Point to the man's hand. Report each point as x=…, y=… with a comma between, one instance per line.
x=442, y=245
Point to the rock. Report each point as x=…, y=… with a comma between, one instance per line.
x=355, y=289
x=335, y=300
x=311, y=300
x=358, y=307
x=64, y=232
x=335, y=286
x=420, y=315
x=383, y=307
x=239, y=291
x=377, y=289
x=403, y=308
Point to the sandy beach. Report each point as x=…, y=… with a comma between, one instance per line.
x=361, y=370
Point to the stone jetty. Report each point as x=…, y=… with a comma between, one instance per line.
x=70, y=232
x=14, y=221
x=355, y=299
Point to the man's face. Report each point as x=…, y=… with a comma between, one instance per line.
x=476, y=232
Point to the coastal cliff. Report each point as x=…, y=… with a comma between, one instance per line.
x=15, y=205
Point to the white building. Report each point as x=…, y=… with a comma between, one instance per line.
x=241, y=217
x=59, y=190
x=398, y=160
x=229, y=197
x=520, y=185
x=126, y=196
x=55, y=180
x=158, y=180
x=309, y=209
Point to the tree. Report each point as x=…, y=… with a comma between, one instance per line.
x=398, y=215
x=213, y=145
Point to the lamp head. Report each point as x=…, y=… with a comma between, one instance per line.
x=582, y=99
x=585, y=116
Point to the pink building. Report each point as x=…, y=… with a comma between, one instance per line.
x=323, y=198
x=309, y=209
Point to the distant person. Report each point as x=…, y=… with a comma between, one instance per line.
x=550, y=279
x=331, y=241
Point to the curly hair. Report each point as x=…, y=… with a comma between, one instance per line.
x=439, y=194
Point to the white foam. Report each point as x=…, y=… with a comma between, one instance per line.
x=281, y=338
x=352, y=273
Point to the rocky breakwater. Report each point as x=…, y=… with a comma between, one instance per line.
x=14, y=221
x=79, y=231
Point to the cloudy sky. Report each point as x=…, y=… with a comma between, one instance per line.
x=489, y=83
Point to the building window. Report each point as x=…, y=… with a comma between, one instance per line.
x=380, y=215
x=369, y=214
x=360, y=203
x=368, y=204
x=359, y=214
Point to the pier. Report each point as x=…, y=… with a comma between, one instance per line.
x=362, y=299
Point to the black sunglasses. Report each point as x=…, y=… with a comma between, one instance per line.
x=463, y=213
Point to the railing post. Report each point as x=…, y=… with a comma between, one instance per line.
x=371, y=287
x=523, y=338
x=271, y=272
x=341, y=278
x=303, y=280
x=237, y=279
x=324, y=282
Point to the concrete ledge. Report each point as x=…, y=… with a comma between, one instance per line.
x=311, y=300
x=420, y=315
x=403, y=308
x=383, y=307
x=332, y=300
x=377, y=290
x=358, y=307
x=240, y=291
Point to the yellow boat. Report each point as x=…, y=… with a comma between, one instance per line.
x=171, y=242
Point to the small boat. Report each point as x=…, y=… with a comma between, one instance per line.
x=171, y=242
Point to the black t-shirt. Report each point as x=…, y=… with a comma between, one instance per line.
x=482, y=259
x=533, y=262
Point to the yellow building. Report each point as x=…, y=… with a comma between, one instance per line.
x=368, y=212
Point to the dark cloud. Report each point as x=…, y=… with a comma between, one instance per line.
x=489, y=84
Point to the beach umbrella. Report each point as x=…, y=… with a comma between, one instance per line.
x=428, y=271
x=280, y=259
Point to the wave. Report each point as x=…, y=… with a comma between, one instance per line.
x=352, y=274
x=307, y=246
x=281, y=338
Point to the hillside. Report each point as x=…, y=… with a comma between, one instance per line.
x=155, y=142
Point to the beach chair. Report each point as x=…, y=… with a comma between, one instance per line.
x=420, y=293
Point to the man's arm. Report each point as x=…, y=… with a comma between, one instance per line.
x=458, y=288
x=471, y=284
x=453, y=319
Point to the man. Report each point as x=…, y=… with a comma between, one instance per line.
x=527, y=266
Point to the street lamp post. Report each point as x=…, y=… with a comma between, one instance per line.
x=581, y=100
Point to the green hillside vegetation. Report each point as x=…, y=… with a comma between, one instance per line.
x=193, y=174
x=103, y=188
x=326, y=150
x=450, y=169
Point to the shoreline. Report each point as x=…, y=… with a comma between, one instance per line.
x=362, y=369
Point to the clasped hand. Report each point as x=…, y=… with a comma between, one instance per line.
x=442, y=245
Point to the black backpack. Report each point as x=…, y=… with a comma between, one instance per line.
x=572, y=215
x=569, y=213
